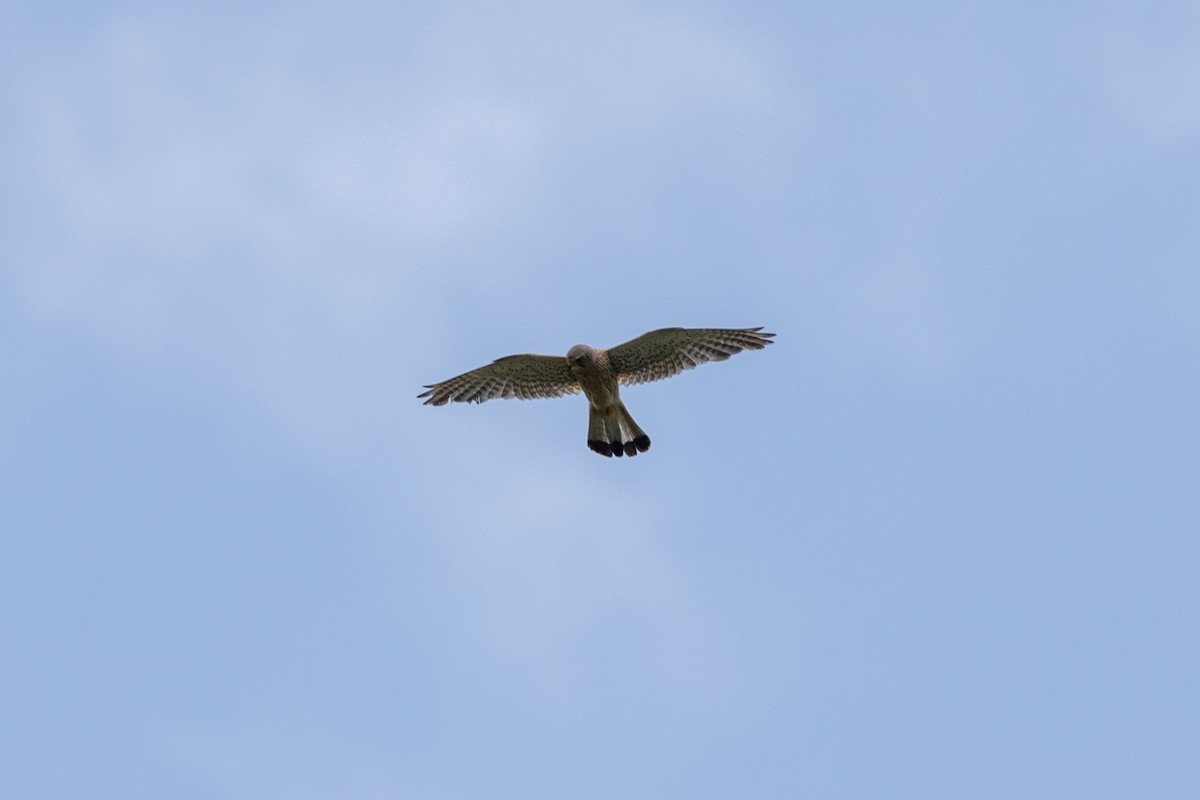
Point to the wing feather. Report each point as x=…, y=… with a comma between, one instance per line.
x=525, y=377
x=669, y=351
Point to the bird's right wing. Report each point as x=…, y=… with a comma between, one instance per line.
x=525, y=377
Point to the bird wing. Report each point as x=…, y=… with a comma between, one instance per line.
x=525, y=377
x=669, y=351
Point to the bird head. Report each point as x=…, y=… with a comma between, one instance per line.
x=581, y=356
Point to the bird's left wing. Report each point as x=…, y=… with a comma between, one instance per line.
x=525, y=377
x=663, y=353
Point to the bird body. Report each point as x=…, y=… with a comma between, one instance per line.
x=599, y=374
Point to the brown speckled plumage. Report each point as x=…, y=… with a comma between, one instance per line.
x=599, y=375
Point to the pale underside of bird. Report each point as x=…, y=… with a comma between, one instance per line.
x=599, y=374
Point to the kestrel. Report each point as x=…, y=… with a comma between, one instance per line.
x=599, y=374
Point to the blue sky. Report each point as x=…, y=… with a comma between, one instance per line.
x=940, y=540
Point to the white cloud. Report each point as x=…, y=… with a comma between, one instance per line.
x=547, y=550
x=283, y=230
x=158, y=160
x=223, y=215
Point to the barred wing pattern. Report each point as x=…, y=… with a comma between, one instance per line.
x=669, y=351
x=525, y=377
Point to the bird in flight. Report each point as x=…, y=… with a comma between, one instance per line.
x=599, y=374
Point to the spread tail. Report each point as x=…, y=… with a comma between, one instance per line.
x=612, y=432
